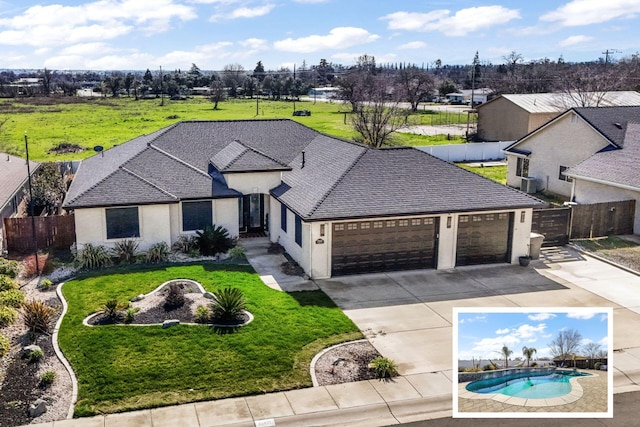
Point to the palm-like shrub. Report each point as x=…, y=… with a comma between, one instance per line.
x=7, y=283
x=37, y=315
x=158, y=253
x=384, y=367
x=214, y=240
x=125, y=251
x=11, y=298
x=185, y=244
x=8, y=315
x=92, y=257
x=228, y=304
x=5, y=346
x=111, y=308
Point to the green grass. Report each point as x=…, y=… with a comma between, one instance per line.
x=607, y=243
x=496, y=173
x=110, y=121
x=127, y=367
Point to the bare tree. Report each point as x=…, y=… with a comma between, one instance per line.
x=415, y=85
x=565, y=344
x=217, y=92
x=585, y=85
x=47, y=82
x=233, y=77
x=377, y=115
x=592, y=350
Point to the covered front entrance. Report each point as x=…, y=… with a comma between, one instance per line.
x=252, y=213
x=384, y=245
x=484, y=238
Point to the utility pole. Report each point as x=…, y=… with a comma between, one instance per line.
x=608, y=52
x=161, y=88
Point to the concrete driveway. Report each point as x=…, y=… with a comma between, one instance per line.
x=407, y=316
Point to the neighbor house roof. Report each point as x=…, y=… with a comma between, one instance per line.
x=322, y=177
x=541, y=103
x=13, y=176
x=615, y=167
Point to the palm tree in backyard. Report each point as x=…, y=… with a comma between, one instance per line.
x=506, y=353
x=528, y=352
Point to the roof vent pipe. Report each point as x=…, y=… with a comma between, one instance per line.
x=301, y=166
x=618, y=125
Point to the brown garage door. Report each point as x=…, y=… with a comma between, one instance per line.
x=484, y=238
x=384, y=245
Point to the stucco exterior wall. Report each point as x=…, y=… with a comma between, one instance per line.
x=566, y=142
x=539, y=119
x=254, y=182
x=592, y=192
x=502, y=120
x=225, y=213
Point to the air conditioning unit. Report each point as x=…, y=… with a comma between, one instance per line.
x=528, y=185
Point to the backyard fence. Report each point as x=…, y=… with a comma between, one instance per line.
x=51, y=232
x=470, y=152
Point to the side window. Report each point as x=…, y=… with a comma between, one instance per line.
x=122, y=223
x=561, y=175
x=283, y=217
x=298, y=230
x=522, y=167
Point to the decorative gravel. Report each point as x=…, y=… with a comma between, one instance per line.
x=346, y=363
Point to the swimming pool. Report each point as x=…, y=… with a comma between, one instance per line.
x=528, y=385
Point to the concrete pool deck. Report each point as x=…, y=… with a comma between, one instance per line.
x=589, y=394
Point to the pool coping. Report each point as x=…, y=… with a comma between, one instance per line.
x=575, y=394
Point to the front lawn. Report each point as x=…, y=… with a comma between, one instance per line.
x=130, y=367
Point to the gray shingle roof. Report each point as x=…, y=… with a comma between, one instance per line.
x=537, y=103
x=610, y=121
x=13, y=175
x=618, y=167
x=339, y=179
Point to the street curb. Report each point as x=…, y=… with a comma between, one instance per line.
x=58, y=351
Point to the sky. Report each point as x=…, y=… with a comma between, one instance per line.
x=173, y=34
x=482, y=334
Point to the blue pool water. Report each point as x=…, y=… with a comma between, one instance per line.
x=528, y=385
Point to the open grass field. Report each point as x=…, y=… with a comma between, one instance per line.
x=127, y=367
x=88, y=122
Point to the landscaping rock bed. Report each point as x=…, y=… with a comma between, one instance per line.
x=346, y=363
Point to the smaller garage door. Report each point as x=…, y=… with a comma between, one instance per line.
x=484, y=238
x=383, y=245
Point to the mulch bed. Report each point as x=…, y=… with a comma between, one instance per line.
x=346, y=363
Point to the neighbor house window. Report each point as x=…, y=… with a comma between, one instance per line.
x=196, y=215
x=283, y=217
x=561, y=175
x=122, y=223
x=298, y=230
x=522, y=167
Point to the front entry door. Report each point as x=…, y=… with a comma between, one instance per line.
x=252, y=212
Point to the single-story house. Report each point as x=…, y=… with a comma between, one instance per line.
x=510, y=117
x=336, y=206
x=611, y=174
x=540, y=159
x=13, y=188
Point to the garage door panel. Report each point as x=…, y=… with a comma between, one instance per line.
x=483, y=239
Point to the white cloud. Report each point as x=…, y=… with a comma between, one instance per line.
x=338, y=38
x=503, y=331
x=243, y=12
x=541, y=316
x=88, y=49
x=581, y=315
x=575, y=40
x=461, y=23
x=528, y=332
x=413, y=45
x=587, y=12
x=310, y=1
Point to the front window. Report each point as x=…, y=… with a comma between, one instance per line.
x=522, y=167
x=122, y=223
x=196, y=215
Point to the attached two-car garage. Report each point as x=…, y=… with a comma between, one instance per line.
x=404, y=244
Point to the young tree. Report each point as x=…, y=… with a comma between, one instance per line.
x=505, y=352
x=565, y=343
x=258, y=72
x=528, y=352
x=217, y=92
x=128, y=82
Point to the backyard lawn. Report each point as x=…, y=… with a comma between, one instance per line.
x=496, y=173
x=130, y=367
x=88, y=122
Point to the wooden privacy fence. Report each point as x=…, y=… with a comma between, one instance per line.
x=584, y=221
x=51, y=232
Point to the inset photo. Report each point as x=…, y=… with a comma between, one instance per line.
x=523, y=362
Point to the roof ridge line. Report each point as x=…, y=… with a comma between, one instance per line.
x=338, y=181
x=171, y=156
x=259, y=152
x=130, y=172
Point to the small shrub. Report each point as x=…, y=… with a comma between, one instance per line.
x=47, y=378
x=202, y=314
x=7, y=283
x=534, y=364
x=474, y=369
x=130, y=314
x=92, y=257
x=37, y=316
x=11, y=298
x=597, y=365
x=36, y=356
x=228, y=304
x=214, y=240
x=237, y=253
x=46, y=284
x=158, y=253
x=489, y=367
x=5, y=346
x=8, y=315
x=174, y=298
x=384, y=367
x=112, y=308
x=185, y=244
x=125, y=251
x=9, y=267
